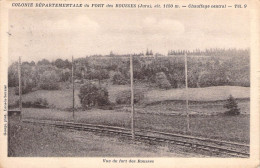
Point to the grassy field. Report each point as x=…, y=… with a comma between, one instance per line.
x=158, y=111
x=201, y=107
x=62, y=99
x=199, y=94
x=28, y=140
x=233, y=128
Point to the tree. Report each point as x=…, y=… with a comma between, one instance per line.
x=102, y=75
x=138, y=70
x=44, y=62
x=232, y=106
x=92, y=95
x=25, y=63
x=177, y=79
x=124, y=97
x=59, y=63
x=147, y=52
x=119, y=79
x=32, y=63
x=99, y=74
x=13, y=75
x=111, y=53
x=162, y=81
x=67, y=64
x=49, y=80
x=65, y=75
x=27, y=75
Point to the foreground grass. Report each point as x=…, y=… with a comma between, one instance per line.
x=28, y=140
x=232, y=128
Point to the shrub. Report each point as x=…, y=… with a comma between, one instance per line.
x=232, y=107
x=49, y=86
x=41, y=103
x=38, y=103
x=124, y=97
x=24, y=90
x=92, y=95
x=162, y=81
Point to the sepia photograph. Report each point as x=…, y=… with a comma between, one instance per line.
x=129, y=84
x=135, y=83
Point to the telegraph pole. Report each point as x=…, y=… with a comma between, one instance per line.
x=20, y=85
x=187, y=96
x=132, y=98
x=72, y=78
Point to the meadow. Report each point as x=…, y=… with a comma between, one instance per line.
x=161, y=111
x=232, y=128
x=62, y=99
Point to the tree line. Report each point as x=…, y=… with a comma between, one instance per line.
x=161, y=72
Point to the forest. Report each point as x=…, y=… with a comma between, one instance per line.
x=212, y=67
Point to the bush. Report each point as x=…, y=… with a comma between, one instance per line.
x=92, y=95
x=38, y=103
x=124, y=97
x=162, y=81
x=24, y=90
x=232, y=107
x=49, y=86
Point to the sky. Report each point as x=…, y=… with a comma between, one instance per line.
x=52, y=34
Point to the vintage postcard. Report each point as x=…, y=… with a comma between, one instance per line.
x=129, y=83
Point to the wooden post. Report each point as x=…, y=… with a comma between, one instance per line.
x=187, y=96
x=132, y=98
x=72, y=78
x=20, y=86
